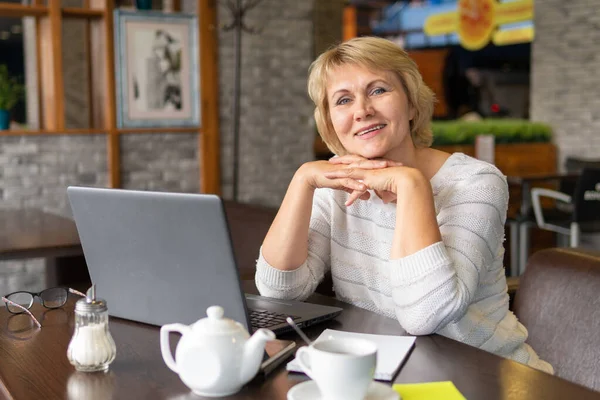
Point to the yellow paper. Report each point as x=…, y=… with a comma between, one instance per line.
x=429, y=391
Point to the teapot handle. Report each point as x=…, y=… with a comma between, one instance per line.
x=165, y=347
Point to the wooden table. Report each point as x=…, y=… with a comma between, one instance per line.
x=34, y=363
x=32, y=233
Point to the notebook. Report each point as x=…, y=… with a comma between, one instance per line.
x=392, y=351
x=161, y=258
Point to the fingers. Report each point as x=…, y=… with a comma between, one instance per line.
x=355, y=195
x=386, y=196
x=353, y=173
x=348, y=185
x=388, y=163
x=355, y=161
x=391, y=163
x=349, y=159
x=369, y=164
x=375, y=164
x=353, y=184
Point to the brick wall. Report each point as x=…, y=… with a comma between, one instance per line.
x=163, y=162
x=276, y=125
x=276, y=129
x=565, y=85
x=37, y=169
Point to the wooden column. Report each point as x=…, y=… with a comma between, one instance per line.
x=38, y=63
x=103, y=85
x=50, y=64
x=209, y=147
x=98, y=83
x=349, y=23
x=89, y=67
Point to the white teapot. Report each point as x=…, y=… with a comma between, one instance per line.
x=215, y=356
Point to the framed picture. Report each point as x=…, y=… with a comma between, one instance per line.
x=157, y=70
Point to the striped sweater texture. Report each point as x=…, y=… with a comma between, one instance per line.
x=456, y=287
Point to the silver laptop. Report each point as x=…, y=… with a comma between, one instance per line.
x=160, y=258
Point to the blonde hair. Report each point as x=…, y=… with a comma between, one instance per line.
x=376, y=54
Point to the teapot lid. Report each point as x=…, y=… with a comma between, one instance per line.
x=215, y=324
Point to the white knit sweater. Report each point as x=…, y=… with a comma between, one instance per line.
x=456, y=288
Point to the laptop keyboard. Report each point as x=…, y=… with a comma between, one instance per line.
x=266, y=319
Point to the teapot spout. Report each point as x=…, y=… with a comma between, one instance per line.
x=253, y=353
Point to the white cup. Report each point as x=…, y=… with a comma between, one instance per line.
x=342, y=368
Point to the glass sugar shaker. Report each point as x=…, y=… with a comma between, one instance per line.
x=92, y=348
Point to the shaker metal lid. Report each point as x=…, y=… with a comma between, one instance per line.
x=91, y=303
x=97, y=305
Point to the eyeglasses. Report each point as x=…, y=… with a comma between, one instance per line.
x=20, y=302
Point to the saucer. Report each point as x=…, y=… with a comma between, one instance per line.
x=309, y=390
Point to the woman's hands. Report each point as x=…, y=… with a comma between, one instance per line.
x=383, y=181
x=355, y=175
x=315, y=175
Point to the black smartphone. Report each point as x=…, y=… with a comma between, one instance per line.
x=276, y=352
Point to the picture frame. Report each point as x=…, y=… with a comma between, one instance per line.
x=157, y=69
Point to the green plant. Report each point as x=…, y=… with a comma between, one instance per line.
x=504, y=130
x=11, y=91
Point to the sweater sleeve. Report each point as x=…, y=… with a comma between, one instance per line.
x=434, y=286
x=301, y=282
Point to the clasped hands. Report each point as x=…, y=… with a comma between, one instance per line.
x=355, y=175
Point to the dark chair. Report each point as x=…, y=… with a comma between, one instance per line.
x=521, y=225
x=559, y=213
x=558, y=302
x=584, y=204
x=248, y=226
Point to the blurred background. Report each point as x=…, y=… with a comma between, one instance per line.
x=522, y=72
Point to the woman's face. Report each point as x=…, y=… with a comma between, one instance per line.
x=369, y=111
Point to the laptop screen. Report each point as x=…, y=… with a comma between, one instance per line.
x=158, y=257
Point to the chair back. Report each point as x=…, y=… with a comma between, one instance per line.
x=575, y=166
x=586, y=199
x=558, y=302
x=248, y=226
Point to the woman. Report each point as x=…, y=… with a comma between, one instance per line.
x=407, y=231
